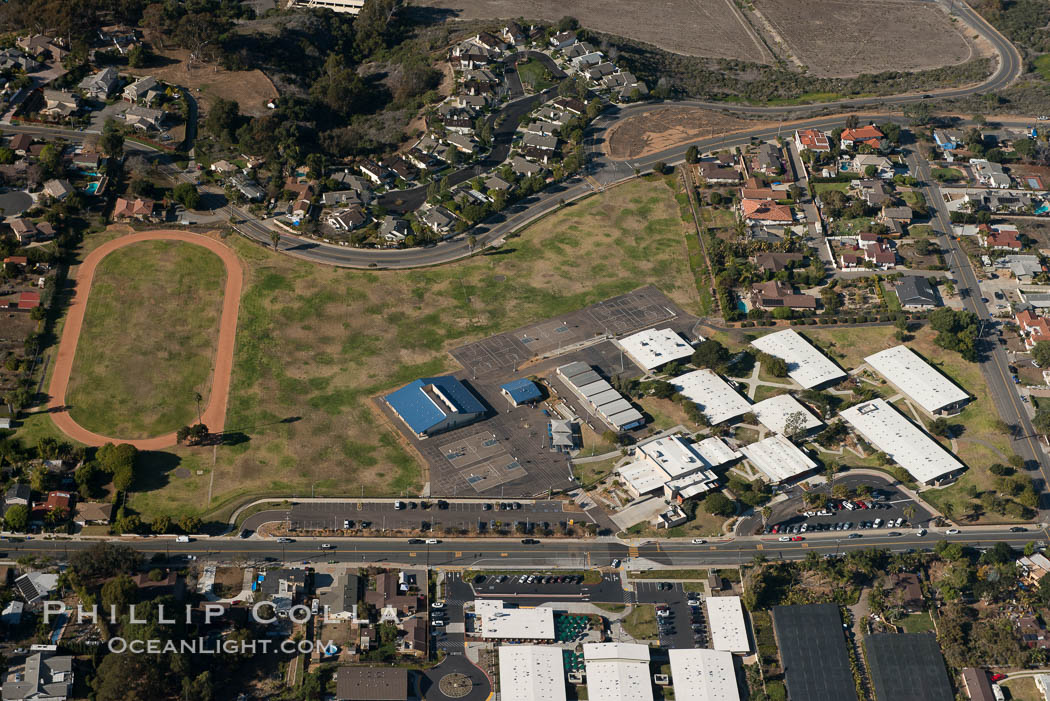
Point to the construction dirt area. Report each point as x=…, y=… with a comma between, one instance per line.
x=714, y=28
x=209, y=81
x=666, y=127
x=842, y=38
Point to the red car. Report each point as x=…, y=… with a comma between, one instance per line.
x=797, y=538
x=776, y=529
x=998, y=677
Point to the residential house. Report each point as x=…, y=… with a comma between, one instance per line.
x=170, y=584
x=513, y=34
x=563, y=40
x=400, y=167
x=100, y=84
x=880, y=255
x=251, y=190
x=522, y=167
x=947, y=139
x=58, y=189
x=494, y=182
x=766, y=212
x=462, y=142
x=44, y=231
x=875, y=192
x=122, y=37
x=439, y=220
x=90, y=161
x=768, y=160
x=139, y=209
x=586, y=60
x=1023, y=267
x=20, y=144
x=757, y=192
x=1033, y=568
x=45, y=676
x=869, y=135
x=541, y=143
x=1002, y=238
x=903, y=588
x=339, y=602
x=58, y=502
x=144, y=118
x=59, y=104
x=393, y=229
x=775, y=262
x=490, y=41
x=599, y=71
x=990, y=174
x=93, y=513
x=1032, y=631
x=12, y=59
x=12, y=613
x=23, y=229
x=882, y=165
x=715, y=173
x=916, y=293
x=334, y=197
x=1007, y=202
x=811, y=140
x=414, y=642
x=222, y=167
x=901, y=215
x=38, y=45
x=570, y=104
x=540, y=127
x=137, y=90
x=1033, y=328
x=397, y=590
x=347, y=219
x=375, y=172
x=346, y=180
x=977, y=686
x=19, y=494
x=773, y=294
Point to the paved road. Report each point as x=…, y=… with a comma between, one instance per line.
x=512, y=553
x=993, y=361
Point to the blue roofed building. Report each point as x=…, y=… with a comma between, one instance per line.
x=521, y=391
x=432, y=405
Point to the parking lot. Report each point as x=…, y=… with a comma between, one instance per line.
x=546, y=587
x=416, y=512
x=680, y=625
x=844, y=516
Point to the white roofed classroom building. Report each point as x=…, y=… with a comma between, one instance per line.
x=531, y=673
x=653, y=348
x=892, y=433
x=778, y=459
x=703, y=675
x=618, y=671
x=807, y=365
x=715, y=397
x=495, y=622
x=776, y=412
x=909, y=373
x=725, y=614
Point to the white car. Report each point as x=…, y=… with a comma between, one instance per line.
x=921, y=532
x=615, y=563
x=952, y=531
x=326, y=546
x=438, y=623
x=699, y=541
x=437, y=605
x=784, y=538
x=693, y=602
x=432, y=541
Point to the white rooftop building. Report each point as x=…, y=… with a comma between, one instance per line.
x=909, y=446
x=778, y=458
x=716, y=451
x=908, y=372
x=531, y=673
x=618, y=671
x=725, y=614
x=806, y=364
x=715, y=397
x=703, y=675
x=653, y=348
x=498, y=623
x=773, y=413
x=670, y=463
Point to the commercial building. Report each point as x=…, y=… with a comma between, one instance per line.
x=813, y=652
x=431, y=405
x=671, y=464
x=494, y=622
x=806, y=364
x=907, y=667
x=880, y=424
x=531, y=673
x=521, y=391
x=725, y=615
x=715, y=397
x=716, y=451
x=654, y=348
x=618, y=671
x=703, y=675
x=775, y=413
x=909, y=373
x=371, y=684
x=778, y=458
x=599, y=396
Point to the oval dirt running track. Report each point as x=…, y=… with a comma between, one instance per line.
x=214, y=415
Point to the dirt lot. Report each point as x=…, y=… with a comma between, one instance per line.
x=251, y=89
x=693, y=27
x=666, y=127
x=840, y=38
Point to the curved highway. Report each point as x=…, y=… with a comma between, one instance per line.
x=604, y=170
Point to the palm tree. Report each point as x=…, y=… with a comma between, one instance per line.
x=829, y=474
x=766, y=513
x=471, y=242
x=909, y=512
x=275, y=238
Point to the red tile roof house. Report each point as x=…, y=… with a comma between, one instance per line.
x=766, y=212
x=55, y=501
x=868, y=135
x=812, y=140
x=140, y=209
x=1002, y=239
x=850, y=260
x=1033, y=328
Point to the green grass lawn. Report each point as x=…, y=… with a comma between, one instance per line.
x=828, y=187
x=893, y=302
x=917, y=623
x=946, y=175
x=535, y=75
x=1042, y=66
x=765, y=392
x=315, y=344
x=920, y=231
x=1022, y=689
x=670, y=574
x=640, y=623
x=148, y=340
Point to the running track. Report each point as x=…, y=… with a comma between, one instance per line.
x=214, y=415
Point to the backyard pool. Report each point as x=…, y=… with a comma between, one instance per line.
x=91, y=188
x=1043, y=208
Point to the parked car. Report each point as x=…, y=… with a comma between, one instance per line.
x=699, y=541
x=784, y=538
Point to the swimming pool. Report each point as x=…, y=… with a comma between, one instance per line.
x=1043, y=208
x=91, y=188
x=741, y=306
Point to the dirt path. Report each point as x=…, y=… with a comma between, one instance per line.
x=214, y=415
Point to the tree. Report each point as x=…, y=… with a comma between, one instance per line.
x=795, y=425
x=17, y=518
x=691, y=155
x=1041, y=422
x=777, y=367
x=1041, y=353
x=275, y=238
x=940, y=427
x=223, y=119
x=659, y=167
x=119, y=591
x=186, y=194
x=719, y=504
x=710, y=354
x=112, y=139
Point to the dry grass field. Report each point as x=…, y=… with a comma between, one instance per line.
x=148, y=339
x=315, y=344
x=842, y=38
x=251, y=89
x=712, y=28
x=665, y=127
